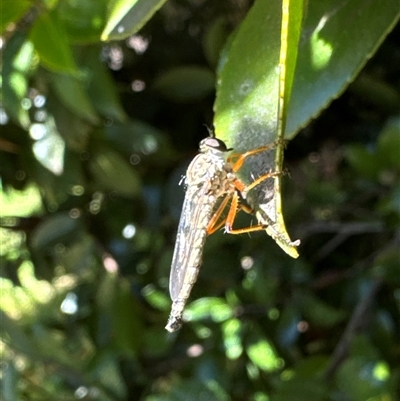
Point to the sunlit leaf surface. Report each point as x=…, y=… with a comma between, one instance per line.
x=247, y=107
x=325, y=64
x=18, y=60
x=128, y=16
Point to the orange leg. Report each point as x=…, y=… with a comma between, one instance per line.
x=214, y=224
x=231, y=218
x=261, y=179
x=240, y=158
x=240, y=186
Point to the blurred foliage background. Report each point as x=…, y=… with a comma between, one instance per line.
x=94, y=140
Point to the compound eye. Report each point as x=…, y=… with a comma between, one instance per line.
x=215, y=144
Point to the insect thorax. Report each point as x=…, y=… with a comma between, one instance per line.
x=213, y=169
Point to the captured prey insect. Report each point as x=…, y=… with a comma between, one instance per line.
x=210, y=176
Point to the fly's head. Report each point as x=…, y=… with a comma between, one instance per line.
x=208, y=163
x=213, y=145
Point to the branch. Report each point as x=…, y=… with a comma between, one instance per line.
x=358, y=322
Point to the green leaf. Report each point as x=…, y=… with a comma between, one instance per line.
x=157, y=299
x=363, y=161
x=247, y=106
x=21, y=203
x=288, y=55
x=79, y=258
x=320, y=313
x=301, y=389
x=361, y=379
x=20, y=340
x=18, y=61
x=117, y=306
x=185, y=84
x=12, y=11
x=156, y=342
x=50, y=4
x=389, y=144
x=371, y=162
x=304, y=382
x=101, y=89
x=292, y=16
x=49, y=147
x=203, y=308
x=287, y=329
x=35, y=293
x=72, y=128
x=50, y=41
x=232, y=339
x=128, y=330
x=84, y=20
x=9, y=380
x=56, y=228
x=311, y=367
x=214, y=39
x=55, y=189
x=337, y=40
x=376, y=92
x=106, y=370
x=127, y=16
x=51, y=347
x=195, y=390
x=72, y=93
x=140, y=138
x=113, y=173
x=263, y=355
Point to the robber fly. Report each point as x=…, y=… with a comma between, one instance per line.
x=210, y=176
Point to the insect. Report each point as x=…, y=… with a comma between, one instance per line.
x=210, y=176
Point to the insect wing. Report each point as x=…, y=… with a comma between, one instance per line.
x=186, y=236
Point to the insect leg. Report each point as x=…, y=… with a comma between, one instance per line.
x=233, y=209
x=243, y=189
x=260, y=179
x=240, y=158
x=214, y=224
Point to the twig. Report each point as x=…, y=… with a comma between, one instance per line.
x=336, y=276
x=345, y=231
x=357, y=323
